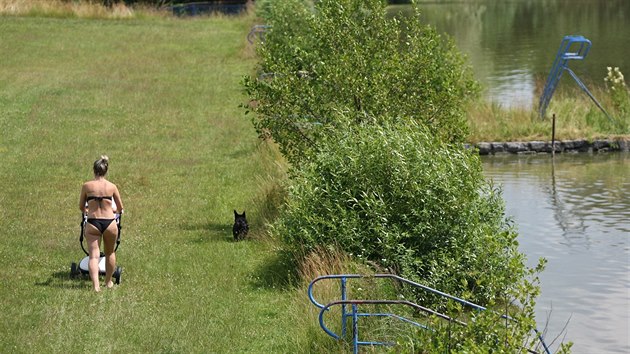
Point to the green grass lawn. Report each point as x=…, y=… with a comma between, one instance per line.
x=161, y=98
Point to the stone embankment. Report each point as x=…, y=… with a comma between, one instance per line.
x=534, y=147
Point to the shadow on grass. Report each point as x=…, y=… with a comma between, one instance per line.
x=278, y=271
x=64, y=280
x=209, y=231
x=243, y=153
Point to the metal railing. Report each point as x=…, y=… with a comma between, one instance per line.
x=354, y=314
x=257, y=32
x=571, y=48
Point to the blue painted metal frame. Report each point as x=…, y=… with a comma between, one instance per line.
x=355, y=314
x=580, y=47
x=257, y=31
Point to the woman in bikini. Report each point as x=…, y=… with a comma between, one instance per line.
x=96, y=200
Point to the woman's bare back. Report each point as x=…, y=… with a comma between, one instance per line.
x=100, y=208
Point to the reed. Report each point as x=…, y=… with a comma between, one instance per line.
x=76, y=9
x=577, y=117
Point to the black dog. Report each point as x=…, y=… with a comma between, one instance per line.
x=240, y=228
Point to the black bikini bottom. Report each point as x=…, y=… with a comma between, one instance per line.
x=101, y=224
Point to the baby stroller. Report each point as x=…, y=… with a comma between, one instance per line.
x=82, y=267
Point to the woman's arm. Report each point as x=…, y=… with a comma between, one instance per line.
x=117, y=200
x=82, y=199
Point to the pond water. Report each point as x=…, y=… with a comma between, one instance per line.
x=574, y=210
x=511, y=44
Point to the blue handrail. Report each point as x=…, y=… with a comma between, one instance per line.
x=355, y=304
x=390, y=276
x=355, y=314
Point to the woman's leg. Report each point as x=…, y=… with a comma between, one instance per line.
x=93, y=237
x=109, y=240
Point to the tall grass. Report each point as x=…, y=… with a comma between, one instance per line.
x=79, y=9
x=577, y=117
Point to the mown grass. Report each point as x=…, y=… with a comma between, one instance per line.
x=161, y=97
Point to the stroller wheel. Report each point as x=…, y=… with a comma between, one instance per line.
x=117, y=275
x=73, y=270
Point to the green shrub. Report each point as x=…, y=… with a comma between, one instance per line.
x=398, y=196
x=269, y=9
x=401, y=199
x=506, y=327
x=349, y=57
x=369, y=112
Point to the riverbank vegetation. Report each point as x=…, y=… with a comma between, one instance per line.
x=577, y=117
x=368, y=110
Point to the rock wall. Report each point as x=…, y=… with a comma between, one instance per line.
x=534, y=147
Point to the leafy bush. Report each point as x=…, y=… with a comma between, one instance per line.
x=508, y=326
x=510, y=331
x=369, y=113
x=349, y=56
x=401, y=197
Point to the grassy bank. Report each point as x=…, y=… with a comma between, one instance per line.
x=76, y=9
x=160, y=97
x=577, y=117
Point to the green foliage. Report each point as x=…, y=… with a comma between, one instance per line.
x=269, y=9
x=369, y=112
x=351, y=57
x=400, y=197
x=506, y=327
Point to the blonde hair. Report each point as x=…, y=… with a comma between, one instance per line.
x=101, y=165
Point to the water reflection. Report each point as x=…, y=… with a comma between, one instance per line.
x=574, y=210
x=514, y=88
x=512, y=44
x=563, y=213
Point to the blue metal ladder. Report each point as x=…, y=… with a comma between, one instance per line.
x=354, y=314
x=571, y=48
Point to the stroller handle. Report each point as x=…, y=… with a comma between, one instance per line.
x=118, y=217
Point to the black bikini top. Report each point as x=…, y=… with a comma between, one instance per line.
x=100, y=199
